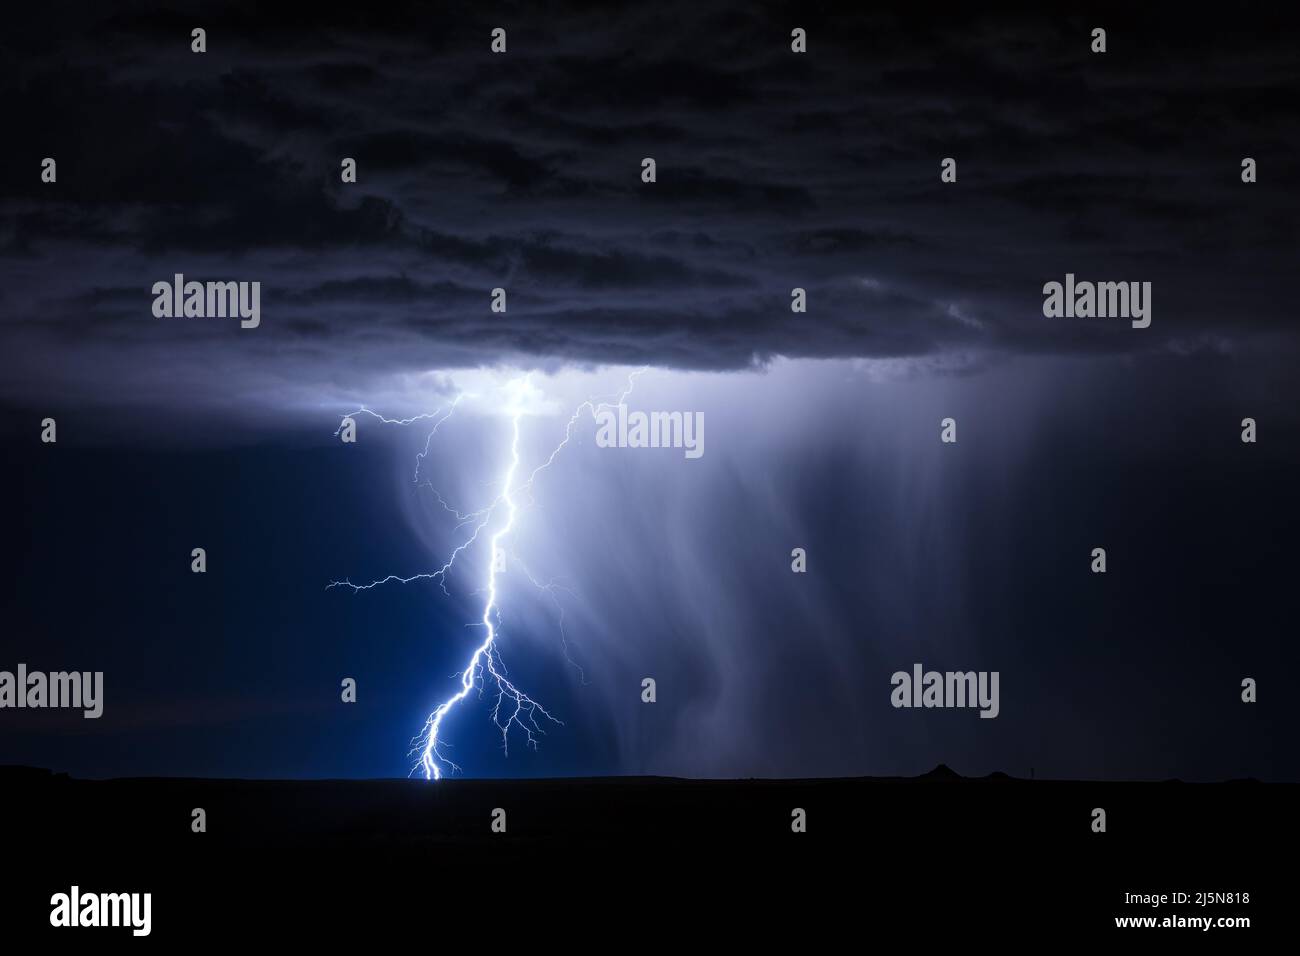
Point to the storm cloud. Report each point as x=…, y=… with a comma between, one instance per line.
x=522, y=171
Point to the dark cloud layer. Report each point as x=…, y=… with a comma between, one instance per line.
x=522, y=171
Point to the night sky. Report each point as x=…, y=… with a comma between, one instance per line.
x=775, y=170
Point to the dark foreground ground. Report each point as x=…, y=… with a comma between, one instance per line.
x=629, y=861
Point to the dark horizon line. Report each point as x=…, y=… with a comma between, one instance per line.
x=939, y=774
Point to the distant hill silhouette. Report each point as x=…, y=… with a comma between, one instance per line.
x=941, y=772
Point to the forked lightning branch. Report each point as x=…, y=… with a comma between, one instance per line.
x=510, y=707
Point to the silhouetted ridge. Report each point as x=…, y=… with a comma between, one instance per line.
x=941, y=772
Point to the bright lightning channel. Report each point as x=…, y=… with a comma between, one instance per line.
x=511, y=707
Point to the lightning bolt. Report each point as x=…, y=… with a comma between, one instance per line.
x=511, y=707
